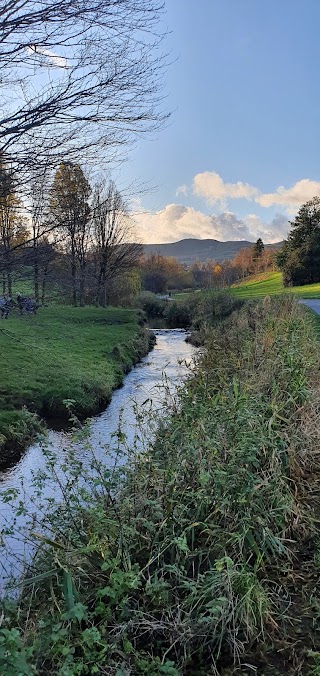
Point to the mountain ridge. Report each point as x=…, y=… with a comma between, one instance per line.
x=191, y=249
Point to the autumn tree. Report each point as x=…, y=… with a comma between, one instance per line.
x=70, y=212
x=243, y=261
x=115, y=244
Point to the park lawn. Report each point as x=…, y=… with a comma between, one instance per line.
x=63, y=353
x=269, y=284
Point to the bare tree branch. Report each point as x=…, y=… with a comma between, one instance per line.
x=77, y=74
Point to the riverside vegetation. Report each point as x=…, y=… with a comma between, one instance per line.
x=76, y=357
x=203, y=555
x=74, y=354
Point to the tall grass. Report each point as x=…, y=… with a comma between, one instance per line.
x=202, y=557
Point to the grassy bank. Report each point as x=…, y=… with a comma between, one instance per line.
x=64, y=353
x=270, y=284
x=209, y=560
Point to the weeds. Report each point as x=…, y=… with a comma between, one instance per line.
x=201, y=557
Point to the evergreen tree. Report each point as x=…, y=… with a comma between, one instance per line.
x=257, y=249
x=300, y=256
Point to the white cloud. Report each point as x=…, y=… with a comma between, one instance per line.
x=176, y=222
x=293, y=197
x=172, y=223
x=275, y=231
x=182, y=190
x=52, y=59
x=212, y=187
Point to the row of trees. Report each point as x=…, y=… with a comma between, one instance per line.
x=81, y=239
x=79, y=81
x=160, y=273
x=82, y=234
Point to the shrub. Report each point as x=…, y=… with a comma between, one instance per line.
x=178, y=315
x=153, y=306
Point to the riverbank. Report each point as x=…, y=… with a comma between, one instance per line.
x=208, y=562
x=60, y=360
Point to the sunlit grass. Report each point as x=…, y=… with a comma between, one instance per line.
x=269, y=284
x=63, y=353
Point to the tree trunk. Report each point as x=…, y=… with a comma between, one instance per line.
x=8, y=271
x=82, y=285
x=101, y=286
x=9, y=281
x=105, y=292
x=43, y=290
x=35, y=267
x=36, y=280
x=74, y=278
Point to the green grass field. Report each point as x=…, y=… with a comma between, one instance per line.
x=63, y=353
x=269, y=284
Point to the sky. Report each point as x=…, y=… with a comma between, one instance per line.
x=240, y=152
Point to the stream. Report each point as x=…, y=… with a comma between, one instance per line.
x=149, y=386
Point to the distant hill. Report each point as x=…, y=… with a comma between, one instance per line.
x=190, y=250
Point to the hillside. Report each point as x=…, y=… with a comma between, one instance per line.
x=190, y=250
x=269, y=284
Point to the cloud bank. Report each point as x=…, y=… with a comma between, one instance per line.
x=176, y=222
x=214, y=190
x=300, y=192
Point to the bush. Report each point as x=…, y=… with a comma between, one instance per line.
x=153, y=306
x=178, y=315
x=214, y=306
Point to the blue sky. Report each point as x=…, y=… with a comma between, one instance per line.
x=244, y=91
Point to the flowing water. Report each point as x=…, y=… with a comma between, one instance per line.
x=148, y=386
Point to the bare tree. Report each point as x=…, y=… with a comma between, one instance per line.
x=77, y=75
x=70, y=211
x=117, y=250
x=12, y=225
x=39, y=186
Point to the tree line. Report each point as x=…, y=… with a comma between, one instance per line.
x=78, y=239
x=160, y=274
x=79, y=82
x=74, y=234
